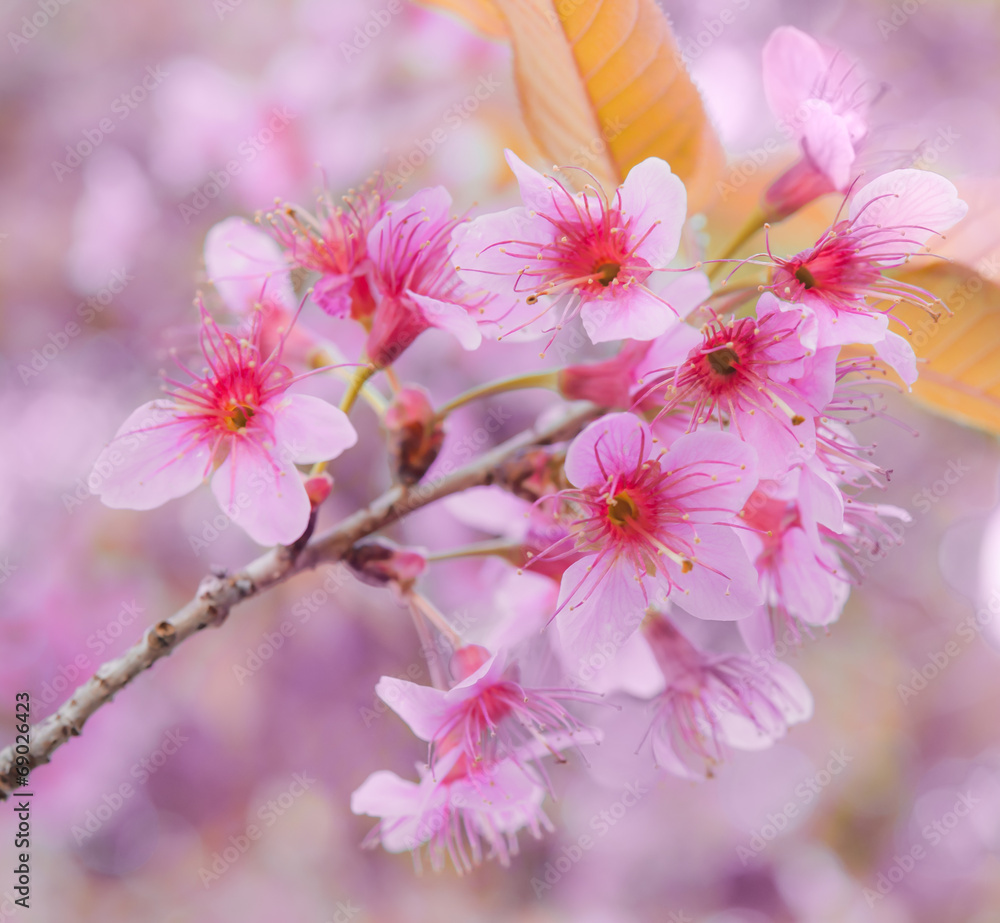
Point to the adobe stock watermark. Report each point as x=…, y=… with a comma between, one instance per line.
x=930, y=151
x=370, y=29
x=894, y=533
x=68, y=674
x=346, y=910
x=248, y=150
x=899, y=16
x=334, y=578
x=601, y=825
x=85, y=488
x=806, y=792
x=58, y=341
x=123, y=106
x=694, y=46
x=937, y=661
x=454, y=117
x=933, y=834
x=46, y=11
x=142, y=771
x=7, y=569
x=268, y=814
x=585, y=155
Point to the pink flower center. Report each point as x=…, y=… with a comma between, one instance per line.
x=836, y=268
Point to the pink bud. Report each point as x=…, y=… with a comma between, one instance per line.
x=605, y=383
x=381, y=562
x=466, y=660
x=799, y=185
x=318, y=489
x=415, y=434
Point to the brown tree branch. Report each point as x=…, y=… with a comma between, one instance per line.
x=217, y=595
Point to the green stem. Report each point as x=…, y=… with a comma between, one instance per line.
x=355, y=386
x=501, y=547
x=357, y=382
x=516, y=383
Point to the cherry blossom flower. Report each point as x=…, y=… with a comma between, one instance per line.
x=757, y=375
x=801, y=576
x=237, y=419
x=840, y=280
x=334, y=243
x=487, y=714
x=587, y=253
x=817, y=94
x=653, y=522
x=716, y=702
x=251, y=274
x=455, y=811
x=410, y=248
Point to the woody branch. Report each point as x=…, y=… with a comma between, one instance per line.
x=217, y=595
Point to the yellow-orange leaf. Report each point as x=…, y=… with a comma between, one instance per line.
x=960, y=377
x=602, y=86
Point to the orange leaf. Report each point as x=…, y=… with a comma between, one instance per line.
x=960, y=377
x=602, y=86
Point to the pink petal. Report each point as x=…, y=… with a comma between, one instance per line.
x=156, y=455
x=490, y=509
x=826, y=140
x=633, y=670
x=245, y=264
x=482, y=247
x=538, y=192
x=723, y=584
x=384, y=794
x=423, y=708
x=910, y=204
x=453, y=318
x=793, y=67
x=629, y=312
x=311, y=430
x=262, y=493
x=621, y=439
x=808, y=589
x=669, y=350
x=897, y=353
x=720, y=474
x=604, y=612
x=654, y=202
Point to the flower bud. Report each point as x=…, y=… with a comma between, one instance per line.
x=607, y=383
x=318, y=489
x=380, y=562
x=415, y=434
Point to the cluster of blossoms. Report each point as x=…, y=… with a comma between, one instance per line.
x=718, y=479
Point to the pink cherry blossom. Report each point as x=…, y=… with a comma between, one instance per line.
x=801, y=576
x=586, y=253
x=840, y=280
x=653, y=522
x=236, y=419
x=757, y=375
x=818, y=95
x=334, y=243
x=251, y=274
x=487, y=714
x=715, y=702
x=454, y=812
x=410, y=248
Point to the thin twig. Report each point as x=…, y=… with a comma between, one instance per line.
x=217, y=595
